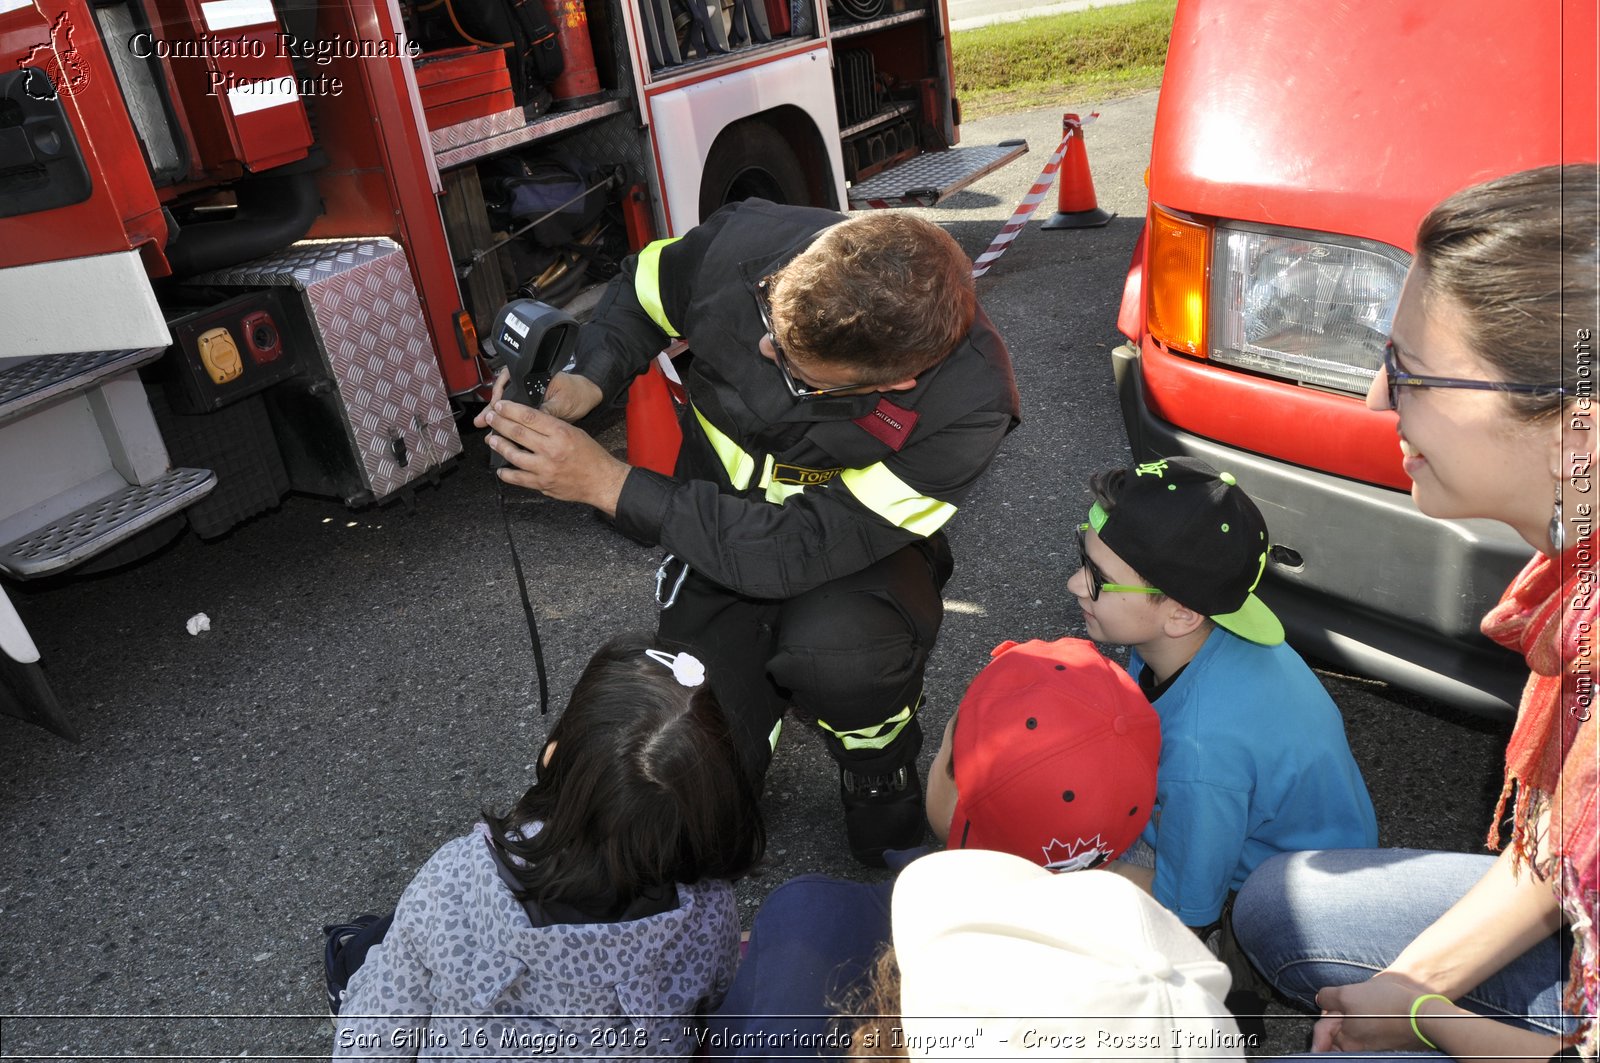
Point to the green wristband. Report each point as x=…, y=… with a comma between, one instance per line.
x=1417, y=1003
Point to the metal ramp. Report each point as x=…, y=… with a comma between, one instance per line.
x=926, y=179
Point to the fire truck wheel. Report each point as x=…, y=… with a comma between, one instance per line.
x=751, y=159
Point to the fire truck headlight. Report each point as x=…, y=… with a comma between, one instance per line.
x=1305, y=306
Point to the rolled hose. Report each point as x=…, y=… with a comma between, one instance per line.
x=275, y=209
x=862, y=10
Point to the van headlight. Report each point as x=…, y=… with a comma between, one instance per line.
x=1310, y=307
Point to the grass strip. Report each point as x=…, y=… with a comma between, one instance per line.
x=1067, y=59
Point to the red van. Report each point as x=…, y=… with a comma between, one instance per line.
x=1297, y=145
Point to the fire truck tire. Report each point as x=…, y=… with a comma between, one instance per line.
x=751, y=159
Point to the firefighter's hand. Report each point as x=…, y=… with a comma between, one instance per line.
x=570, y=396
x=548, y=455
x=501, y=379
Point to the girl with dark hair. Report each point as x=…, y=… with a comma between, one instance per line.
x=597, y=916
x=1491, y=370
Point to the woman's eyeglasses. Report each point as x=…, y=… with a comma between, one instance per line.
x=1398, y=378
x=797, y=389
x=1097, y=579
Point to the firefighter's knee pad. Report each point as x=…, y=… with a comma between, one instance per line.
x=853, y=652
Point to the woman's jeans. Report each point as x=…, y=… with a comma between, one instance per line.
x=1333, y=917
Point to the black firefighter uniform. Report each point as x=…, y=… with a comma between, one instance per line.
x=810, y=528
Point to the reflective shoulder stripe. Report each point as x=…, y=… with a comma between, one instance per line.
x=739, y=465
x=647, y=283
x=895, y=501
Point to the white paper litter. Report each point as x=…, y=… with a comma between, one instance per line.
x=197, y=623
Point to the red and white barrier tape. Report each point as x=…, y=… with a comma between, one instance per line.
x=1030, y=202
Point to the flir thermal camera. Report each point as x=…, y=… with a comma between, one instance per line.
x=534, y=341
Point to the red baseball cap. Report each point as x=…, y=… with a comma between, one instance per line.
x=1055, y=752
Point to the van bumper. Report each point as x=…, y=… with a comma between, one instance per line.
x=1359, y=577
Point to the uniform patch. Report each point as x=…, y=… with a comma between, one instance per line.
x=802, y=476
x=889, y=424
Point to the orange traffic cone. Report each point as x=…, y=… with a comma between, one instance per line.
x=654, y=434
x=1075, y=203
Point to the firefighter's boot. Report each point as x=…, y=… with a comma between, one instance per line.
x=882, y=811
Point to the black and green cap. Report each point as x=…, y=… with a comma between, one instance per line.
x=1192, y=532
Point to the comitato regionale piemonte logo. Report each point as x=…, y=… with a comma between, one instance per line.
x=65, y=72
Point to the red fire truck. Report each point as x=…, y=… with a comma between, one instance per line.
x=1293, y=156
x=247, y=246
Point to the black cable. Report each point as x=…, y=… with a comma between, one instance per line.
x=527, y=606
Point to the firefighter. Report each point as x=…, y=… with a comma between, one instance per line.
x=845, y=392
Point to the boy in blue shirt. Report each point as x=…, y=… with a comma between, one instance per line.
x=1254, y=759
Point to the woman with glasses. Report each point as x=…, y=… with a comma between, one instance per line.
x=1490, y=373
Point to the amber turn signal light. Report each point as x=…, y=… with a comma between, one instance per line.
x=1179, y=259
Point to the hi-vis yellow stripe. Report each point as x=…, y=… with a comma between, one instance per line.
x=874, y=487
x=875, y=737
x=739, y=465
x=895, y=501
x=647, y=283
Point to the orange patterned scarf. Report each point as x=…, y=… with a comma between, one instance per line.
x=1548, y=615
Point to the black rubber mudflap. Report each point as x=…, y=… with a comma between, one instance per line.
x=25, y=693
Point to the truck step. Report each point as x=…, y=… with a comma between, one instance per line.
x=926, y=179
x=27, y=383
x=102, y=523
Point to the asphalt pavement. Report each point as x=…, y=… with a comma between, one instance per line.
x=366, y=689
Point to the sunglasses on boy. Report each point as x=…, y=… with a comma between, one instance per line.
x=1398, y=378
x=797, y=389
x=1097, y=579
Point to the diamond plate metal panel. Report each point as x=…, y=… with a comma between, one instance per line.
x=375, y=345
x=619, y=139
x=137, y=80
x=85, y=532
x=926, y=179
x=27, y=383
x=463, y=134
x=467, y=141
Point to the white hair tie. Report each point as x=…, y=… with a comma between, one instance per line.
x=686, y=667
